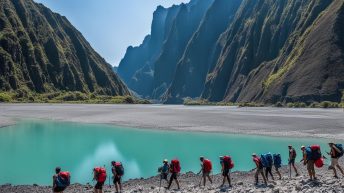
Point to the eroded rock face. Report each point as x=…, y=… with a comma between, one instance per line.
x=41, y=51
x=253, y=51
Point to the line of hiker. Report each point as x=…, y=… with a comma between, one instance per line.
x=311, y=157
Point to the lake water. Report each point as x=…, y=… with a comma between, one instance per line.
x=31, y=149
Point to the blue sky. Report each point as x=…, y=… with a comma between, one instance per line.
x=110, y=25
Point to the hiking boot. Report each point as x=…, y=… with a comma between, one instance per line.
x=336, y=177
x=297, y=174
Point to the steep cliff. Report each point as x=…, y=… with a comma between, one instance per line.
x=264, y=51
x=41, y=52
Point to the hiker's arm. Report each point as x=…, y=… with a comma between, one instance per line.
x=54, y=182
x=338, y=150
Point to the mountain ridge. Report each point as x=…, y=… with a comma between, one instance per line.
x=257, y=51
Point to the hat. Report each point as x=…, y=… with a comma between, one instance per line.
x=254, y=154
x=290, y=146
x=303, y=147
x=331, y=142
x=165, y=161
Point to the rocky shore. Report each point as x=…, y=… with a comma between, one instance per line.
x=243, y=182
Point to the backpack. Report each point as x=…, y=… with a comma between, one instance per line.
x=266, y=160
x=100, y=174
x=316, y=152
x=308, y=153
x=228, y=162
x=277, y=160
x=63, y=179
x=119, y=169
x=175, y=165
x=207, y=165
x=319, y=163
x=341, y=153
x=258, y=161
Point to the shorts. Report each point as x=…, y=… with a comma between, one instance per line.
x=334, y=162
x=117, y=179
x=225, y=173
x=291, y=161
x=205, y=174
x=310, y=165
x=59, y=189
x=163, y=176
x=174, y=176
x=277, y=168
x=99, y=185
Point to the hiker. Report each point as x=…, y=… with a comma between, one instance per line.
x=61, y=180
x=278, y=164
x=117, y=172
x=267, y=162
x=99, y=174
x=336, y=152
x=175, y=170
x=259, y=168
x=163, y=170
x=227, y=164
x=206, y=168
x=307, y=161
x=291, y=161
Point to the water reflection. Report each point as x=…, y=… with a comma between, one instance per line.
x=104, y=154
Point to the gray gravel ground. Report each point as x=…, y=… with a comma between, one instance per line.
x=242, y=183
x=327, y=123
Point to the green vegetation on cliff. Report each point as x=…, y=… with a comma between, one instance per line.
x=41, y=53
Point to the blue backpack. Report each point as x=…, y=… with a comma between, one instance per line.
x=341, y=153
x=277, y=160
x=267, y=160
x=309, y=153
x=313, y=152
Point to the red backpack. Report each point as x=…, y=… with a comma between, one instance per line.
x=100, y=174
x=175, y=165
x=207, y=166
x=319, y=163
x=227, y=160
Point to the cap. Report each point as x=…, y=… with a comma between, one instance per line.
x=165, y=161
x=254, y=154
x=303, y=147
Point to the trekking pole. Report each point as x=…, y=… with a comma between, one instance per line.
x=289, y=171
x=200, y=180
x=160, y=183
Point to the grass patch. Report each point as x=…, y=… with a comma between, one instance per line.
x=25, y=96
x=5, y=97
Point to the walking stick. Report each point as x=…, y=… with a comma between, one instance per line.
x=289, y=171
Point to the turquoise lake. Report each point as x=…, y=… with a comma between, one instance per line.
x=31, y=149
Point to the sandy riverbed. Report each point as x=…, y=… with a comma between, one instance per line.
x=262, y=121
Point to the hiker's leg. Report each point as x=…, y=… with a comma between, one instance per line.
x=177, y=183
x=120, y=186
x=272, y=176
x=211, y=181
x=223, y=181
x=170, y=183
x=204, y=179
x=256, y=175
x=340, y=169
x=265, y=180
x=266, y=173
x=116, y=186
x=295, y=169
x=278, y=173
x=229, y=179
